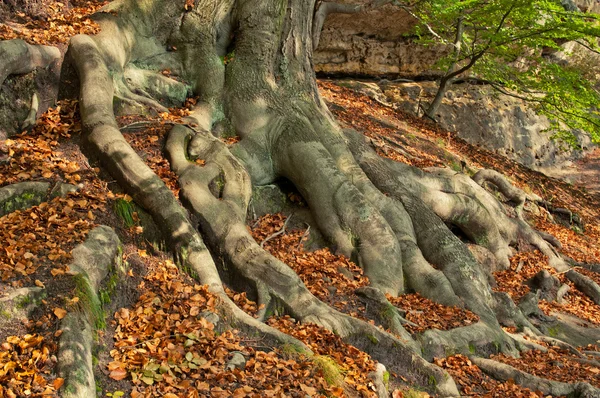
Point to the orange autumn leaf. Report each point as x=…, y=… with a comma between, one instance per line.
x=59, y=312
x=118, y=374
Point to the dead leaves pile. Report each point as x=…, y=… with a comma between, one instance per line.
x=149, y=145
x=583, y=248
x=149, y=141
x=474, y=383
x=61, y=23
x=353, y=364
x=428, y=314
x=357, y=111
x=25, y=367
x=45, y=234
x=168, y=349
x=48, y=231
x=34, y=155
x=319, y=269
x=529, y=264
x=37, y=241
x=553, y=363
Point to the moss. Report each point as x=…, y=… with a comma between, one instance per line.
x=90, y=303
x=456, y=166
x=386, y=379
x=4, y=313
x=23, y=301
x=472, y=348
x=372, y=338
x=388, y=313
x=26, y=199
x=553, y=331
x=293, y=351
x=332, y=372
x=432, y=381
x=69, y=389
x=412, y=393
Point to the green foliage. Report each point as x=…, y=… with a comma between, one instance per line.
x=124, y=209
x=506, y=42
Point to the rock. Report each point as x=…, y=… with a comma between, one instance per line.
x=374, y=43
x=380, y=379
x=544, y=283
x=332, y=290
x=237, y=361
x=495, y=121
x=211, y=317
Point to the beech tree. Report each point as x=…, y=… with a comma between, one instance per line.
x=505, y=43
x=392, y=218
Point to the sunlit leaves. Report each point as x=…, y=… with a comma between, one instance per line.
x=505, y=42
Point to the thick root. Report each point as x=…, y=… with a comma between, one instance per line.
x=144, y=186
x=222, y=214
x=23, y=195
x=91, y=261
x=504, y=372
x=18, y=57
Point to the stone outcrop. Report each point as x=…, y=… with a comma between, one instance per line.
x=377, y=42
x=481, y=116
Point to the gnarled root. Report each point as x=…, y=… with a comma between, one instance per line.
x=505, y=372
x=18, y=57
x=222, y=211
x=145, y=187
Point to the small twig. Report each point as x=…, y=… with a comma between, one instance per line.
x=276, y=234
x=519, y=267
x=138, y=125
x=304, y=235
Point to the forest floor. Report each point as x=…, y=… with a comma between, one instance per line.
x=161, y=337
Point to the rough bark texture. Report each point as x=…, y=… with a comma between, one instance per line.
x=91, y=263
x=392, y=218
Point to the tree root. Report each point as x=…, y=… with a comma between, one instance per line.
x=585, y=284
x=18, y=57
x=107, y=142
x=509, y=191
x=388, y=217
x=91, y=262
x=505, y=372
x=222, y=214
x=478, y=338
x=23, y=195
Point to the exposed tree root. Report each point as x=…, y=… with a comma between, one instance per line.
x=18, y=57
x=144, y=186
x=222, y=214
x=388, y=217
x=511, y=193
x=585, y=284
x=27, y=194
x=91, y=262
x=505, y=372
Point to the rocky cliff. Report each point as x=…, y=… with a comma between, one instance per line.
x=378, y=44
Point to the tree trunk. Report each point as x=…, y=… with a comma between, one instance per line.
x=392, y=218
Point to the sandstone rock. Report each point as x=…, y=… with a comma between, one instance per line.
x=484, y=117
